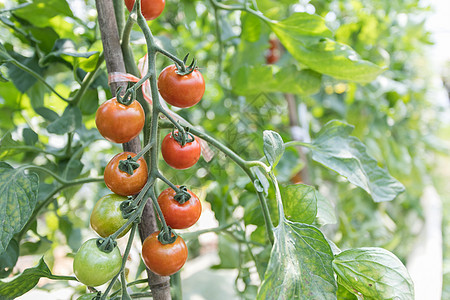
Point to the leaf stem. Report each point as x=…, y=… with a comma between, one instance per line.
x=297, y=143
x=87, y=81
x=124, y=261
x=278, y=197
x=49, y=198
x=38, y=77
x=243, y=164
x=178, y=61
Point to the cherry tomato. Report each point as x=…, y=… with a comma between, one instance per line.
x=181, y=90
x=164, y=260
x=94, y=267
x=274, y=53
x=180, y=157
x=119, y=123
x=179, y=216
x=151, y=9
x=106, y=217
x=121, y=182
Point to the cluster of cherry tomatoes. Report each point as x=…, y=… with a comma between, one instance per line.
x=119, y=123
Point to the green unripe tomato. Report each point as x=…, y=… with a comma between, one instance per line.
x=106, y=217
x=94, y=267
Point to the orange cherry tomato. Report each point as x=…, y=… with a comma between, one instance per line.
x=119, y=123
x=121, y=182
x=161, y=259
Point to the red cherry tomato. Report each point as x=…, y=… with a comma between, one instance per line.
x=274, y=53
x=164, y=260
x=119, y=123
x=179, y=216
x=151, y=9
x=121, y=182
x=181, y=90
x=179, y=157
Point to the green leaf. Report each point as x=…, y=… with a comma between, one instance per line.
x=4, y=55
x=18, y=193
x=8, y=146
x=39, y=12
x=29, y=136
x=273, y=147
x=251, y=28
x=326, y=213
x=89, y=102
x=47, y=113
x=373, y=273
x=68, y=122
x=300, y=265
x=309, y=41
x=345, y=154
x=300, y=202
x=228, y=253
x=35, y=248
x=65, y=48
x=36, y=93
x=26, y=281
x=250, y=80
x=21, y=79
x=9, y=258
x=3, y=77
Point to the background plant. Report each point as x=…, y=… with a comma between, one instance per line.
x=229, y=40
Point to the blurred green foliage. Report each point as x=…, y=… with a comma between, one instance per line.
x=392, y=114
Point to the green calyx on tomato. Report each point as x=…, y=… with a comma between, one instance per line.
x=178, y=156
x=119, y=123
x=94, y=267
x=128, y=165
x=164, y=259
x=179, y=215
x=107, y=216
x=121, y=182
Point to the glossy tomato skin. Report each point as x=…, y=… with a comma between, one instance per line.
x=164, y=260
x=119, y=123
x=122, y=183
x=180, y=157
x=151, y=9
x=106, y=217
x=94, y=267
x=179, y=216
x=181, y=90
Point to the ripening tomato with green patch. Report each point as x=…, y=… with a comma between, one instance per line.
x=178, y=156
x=181, y=90
x=121, y=182
x=151, y=9
x=94, y=267
x=179, y=215
x=106, y=217
x=161, y=259
x=119, y=123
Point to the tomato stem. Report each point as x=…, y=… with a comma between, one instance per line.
x=168, y=182
x=124, y=261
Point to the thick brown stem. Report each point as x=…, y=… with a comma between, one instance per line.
x=294, y=123
x=160, y=285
